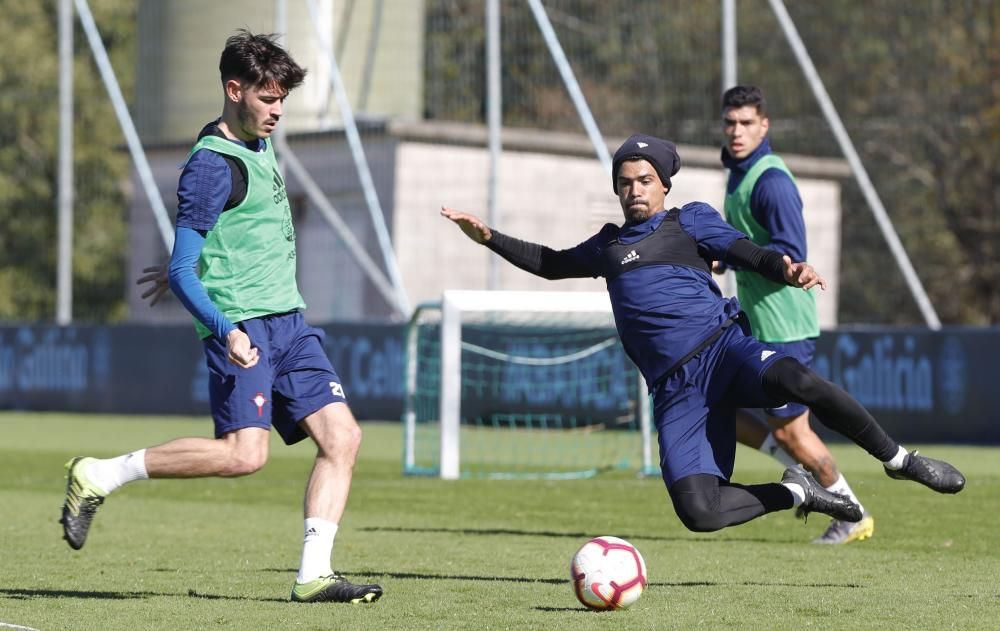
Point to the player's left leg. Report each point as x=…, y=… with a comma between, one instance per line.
x=787, y=379
x=310, y=401
x=338, y=438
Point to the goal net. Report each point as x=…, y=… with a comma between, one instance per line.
x=516, y=384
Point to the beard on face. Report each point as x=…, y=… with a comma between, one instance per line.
x=637, y=214
x=247, y=122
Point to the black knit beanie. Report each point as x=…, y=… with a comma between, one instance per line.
x=662, y=154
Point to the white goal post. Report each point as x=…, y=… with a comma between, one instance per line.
x=497, y=313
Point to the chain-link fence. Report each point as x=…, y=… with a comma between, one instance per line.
x=916, y=83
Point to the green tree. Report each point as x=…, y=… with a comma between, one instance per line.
x=28, y=157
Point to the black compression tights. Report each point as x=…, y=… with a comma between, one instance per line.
x=706, y=503
x=789, y=380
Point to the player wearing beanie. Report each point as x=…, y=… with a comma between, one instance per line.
x=695, y=350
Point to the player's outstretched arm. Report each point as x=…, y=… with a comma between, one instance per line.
x=471, y=225
x=802, y=274
x=777, y=267
x=156, y=276
x=535, y=258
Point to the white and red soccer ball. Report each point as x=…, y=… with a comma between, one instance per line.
x=608, y=573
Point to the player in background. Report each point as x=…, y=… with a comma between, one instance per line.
x=762, y=200
x=693, y=348
x=233, y=268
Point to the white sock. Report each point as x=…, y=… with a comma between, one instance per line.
x=798, y=493
x=317, y=547
x=843, y=488
x=897, y=461
x=771, y=447
x=112, y=473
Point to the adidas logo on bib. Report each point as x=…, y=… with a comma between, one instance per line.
x=631, y=256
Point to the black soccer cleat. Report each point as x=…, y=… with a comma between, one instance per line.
x=335, y=588
x=81, y=503
x=934, y=474
x=819, y=500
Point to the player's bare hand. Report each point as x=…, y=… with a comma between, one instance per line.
x=718, y=267
x=802, y=275
x=156, y=277
x=472, y=226
x=241, y=352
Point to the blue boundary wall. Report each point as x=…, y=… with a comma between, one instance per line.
x=140, y=369
x=921, y=385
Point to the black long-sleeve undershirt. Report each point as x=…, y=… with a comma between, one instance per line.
x=746, y=254
x=551, y=264
x=537, y=259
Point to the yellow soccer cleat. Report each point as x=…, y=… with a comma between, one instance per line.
x=846, y=531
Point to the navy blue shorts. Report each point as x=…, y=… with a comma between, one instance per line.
x=694, y=409
x=803, y=351
x=292, y=379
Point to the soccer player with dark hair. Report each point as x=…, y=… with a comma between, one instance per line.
x=762, y=200
x=233, y=268
x=694, y=349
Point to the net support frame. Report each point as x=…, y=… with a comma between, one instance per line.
x=453, y=305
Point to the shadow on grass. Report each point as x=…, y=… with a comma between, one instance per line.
x=584, y=610
x=489, y=532
x=424, y=576
x=434, y=577
x=26, y=594
x=193, y=594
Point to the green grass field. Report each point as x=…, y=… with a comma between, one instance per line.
x=473, y=554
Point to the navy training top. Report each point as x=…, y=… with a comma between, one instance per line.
x=662, y=311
